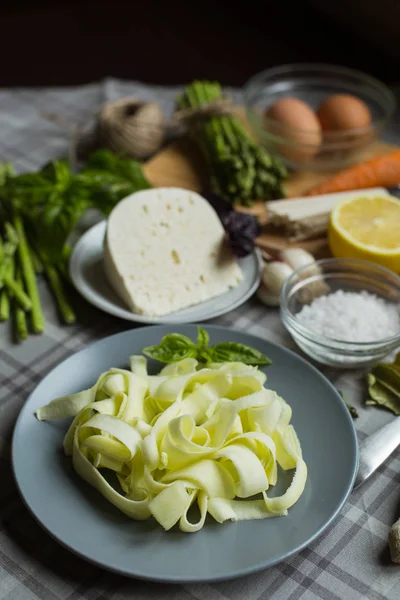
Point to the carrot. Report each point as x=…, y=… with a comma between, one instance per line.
x=381, y=171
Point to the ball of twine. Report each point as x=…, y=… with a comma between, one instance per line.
x=132, y=127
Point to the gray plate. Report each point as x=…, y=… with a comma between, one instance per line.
x=87, y=274
x=78, y=516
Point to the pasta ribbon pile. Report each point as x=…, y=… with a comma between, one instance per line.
x=211, y=436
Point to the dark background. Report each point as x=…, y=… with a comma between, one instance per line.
x=62, y=42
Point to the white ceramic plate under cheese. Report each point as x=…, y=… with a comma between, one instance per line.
x=87, y=274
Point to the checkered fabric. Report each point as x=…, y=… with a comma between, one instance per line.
x=350, y=561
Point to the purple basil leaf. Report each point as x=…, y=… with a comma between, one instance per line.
x=241, y=228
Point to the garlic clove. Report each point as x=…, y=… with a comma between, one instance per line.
x=298, y=258
x=267, y=298
x=274, y=275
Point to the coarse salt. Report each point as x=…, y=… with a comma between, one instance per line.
x=351, y=317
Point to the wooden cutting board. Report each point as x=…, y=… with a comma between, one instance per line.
x=180, y=164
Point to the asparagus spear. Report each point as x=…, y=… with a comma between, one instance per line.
x=37, y=263
x=4, y=306
x=21, y=328
x=54, y=279
x=16, y=290
x=5, y=294
x=7, y=251
x=29, y=276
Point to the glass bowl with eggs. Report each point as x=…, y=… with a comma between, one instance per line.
x=317, y=117
x=343, y=312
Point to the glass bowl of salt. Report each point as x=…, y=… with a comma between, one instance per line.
x=343, y=312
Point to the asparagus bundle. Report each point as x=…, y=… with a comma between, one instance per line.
x=241, y=171
x=19, y=295
x=29, y=276
x=13, y=293
x=8, y=284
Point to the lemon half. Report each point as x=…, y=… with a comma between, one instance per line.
x=368, y=229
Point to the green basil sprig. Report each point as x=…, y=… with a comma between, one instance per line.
x=175, y=346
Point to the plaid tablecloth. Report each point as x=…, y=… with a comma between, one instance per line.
x=350, y=561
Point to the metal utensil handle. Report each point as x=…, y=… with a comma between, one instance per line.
x=375, y=449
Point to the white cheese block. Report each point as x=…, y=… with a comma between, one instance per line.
x=164, y=251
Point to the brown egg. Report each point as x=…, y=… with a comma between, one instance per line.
x=343, y=111
x=298, y=124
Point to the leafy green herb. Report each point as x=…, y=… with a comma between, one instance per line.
x=380, y=395
x=172, y=348
x=108, y=178
x=175, y=347
x=235, y=352
x=53, y=200
x=203, y=354
x=384, y=386
x=126, y=169
x=203, y=339
x=352, y=410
